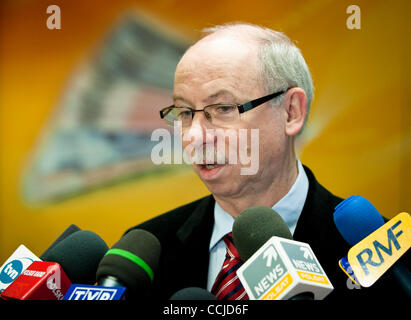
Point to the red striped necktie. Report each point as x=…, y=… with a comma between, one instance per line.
x=227, y=286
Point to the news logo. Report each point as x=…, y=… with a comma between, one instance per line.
x=281, y=269
x=89, y=292
x=373, y=256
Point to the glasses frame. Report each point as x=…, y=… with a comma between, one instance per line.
x=241, y=107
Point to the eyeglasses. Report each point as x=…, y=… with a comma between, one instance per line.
x=217, y=114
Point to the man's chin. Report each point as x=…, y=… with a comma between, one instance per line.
x=219, y=180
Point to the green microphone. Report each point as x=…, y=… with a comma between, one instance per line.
x=131, y=262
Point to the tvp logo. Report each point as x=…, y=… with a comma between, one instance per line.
x=88, y=292
x=373, y=256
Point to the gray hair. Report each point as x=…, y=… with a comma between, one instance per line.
x=282, y=64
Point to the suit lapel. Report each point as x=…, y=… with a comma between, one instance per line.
x=194, y=236
x=317, y=215
x=316, y=227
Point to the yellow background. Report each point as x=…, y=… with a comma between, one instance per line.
x=357, y=141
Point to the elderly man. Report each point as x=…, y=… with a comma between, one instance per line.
x=214, y=82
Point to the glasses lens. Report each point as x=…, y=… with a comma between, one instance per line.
x=178, y=114
x=223, y=113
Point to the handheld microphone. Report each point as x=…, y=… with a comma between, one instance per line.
x=276, y=267
x=20, y=259
x=78, y=255
x=40, y=281
x=131, y=262
x=23, y=257
x=356, y=218
x=71, y=229
x=193, y=293
x=254, y=227
x=363, y=227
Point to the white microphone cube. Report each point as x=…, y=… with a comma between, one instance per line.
x=282, y=269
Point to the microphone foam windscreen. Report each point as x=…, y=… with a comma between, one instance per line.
x=356, y=218
x=254, y=226
x=79, y=255
x=132, y=260
x=71, y=229
x=193, y=293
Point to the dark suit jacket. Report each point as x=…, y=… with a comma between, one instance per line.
x=185, y=233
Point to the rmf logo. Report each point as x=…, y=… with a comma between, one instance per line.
x=365, y=256
x=375, y=254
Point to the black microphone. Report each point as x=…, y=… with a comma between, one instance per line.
x=79, y=254
x=254, y=227
x=131, y=263
x=71, y=229
x=296, y=275
x=193, y=293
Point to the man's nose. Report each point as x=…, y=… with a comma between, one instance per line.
x=200, y=130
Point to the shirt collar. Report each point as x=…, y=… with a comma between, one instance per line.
x=291, y=205
x=289, y=208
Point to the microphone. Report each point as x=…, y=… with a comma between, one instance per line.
x=131, y=262
x=362, y=226
x=79, y=255
x=40, y=281
x=193, y=293
x=275, y=266
x=71, y=229
x=356, y=218
x=76, y=257
x=23, y=257
x=19, y=260
x=254, y=227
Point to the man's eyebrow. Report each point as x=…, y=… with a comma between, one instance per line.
x=209, y=99
x=177, y=97
x=219, y=93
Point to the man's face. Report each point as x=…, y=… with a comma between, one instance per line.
x=227, y=70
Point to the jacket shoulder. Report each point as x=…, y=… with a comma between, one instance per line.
x=170, y=221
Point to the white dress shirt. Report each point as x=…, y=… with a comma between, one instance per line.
x=289, y=208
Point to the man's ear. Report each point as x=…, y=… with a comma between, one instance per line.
x=296, y=108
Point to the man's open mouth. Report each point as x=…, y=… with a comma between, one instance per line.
x=211, y=166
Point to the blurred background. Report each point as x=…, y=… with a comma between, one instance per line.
x=78, y=105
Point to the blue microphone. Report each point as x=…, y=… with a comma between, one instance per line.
x=356, y=218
